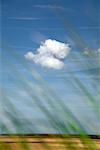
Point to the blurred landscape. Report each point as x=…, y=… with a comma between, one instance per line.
x=44, y=142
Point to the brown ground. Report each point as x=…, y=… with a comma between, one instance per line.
x=47, y=142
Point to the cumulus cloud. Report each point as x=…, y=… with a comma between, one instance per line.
x=50, y=54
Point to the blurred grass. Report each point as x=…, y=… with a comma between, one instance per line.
x=49, y=94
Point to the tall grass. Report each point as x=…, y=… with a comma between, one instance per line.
x=66, y=122
x=50, y=96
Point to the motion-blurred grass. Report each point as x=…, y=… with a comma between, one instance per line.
x=56, y=122
x=73, y=125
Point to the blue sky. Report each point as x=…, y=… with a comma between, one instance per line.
x=27, y=23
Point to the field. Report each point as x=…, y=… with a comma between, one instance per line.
x=46, y=142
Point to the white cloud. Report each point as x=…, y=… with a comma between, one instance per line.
x=50, y=54
x=58, y=49
x=90, y=52
x=29, y=56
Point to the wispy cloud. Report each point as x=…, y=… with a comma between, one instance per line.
x=20, y=47
x=89, y=27
x=98, y=50
x=50, y=7
x=37, y=28
x=56, y=7
x=30, y=18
